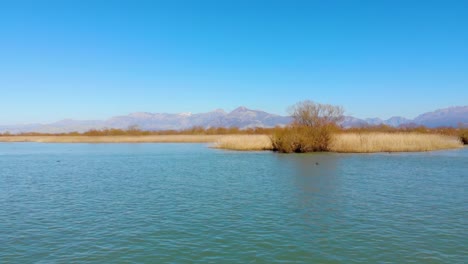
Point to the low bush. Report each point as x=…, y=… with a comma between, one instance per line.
x=464, y=136
x=301, y=139
x=311, y=130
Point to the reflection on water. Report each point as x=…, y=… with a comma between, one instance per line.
x=316, y=196
x=314, y=175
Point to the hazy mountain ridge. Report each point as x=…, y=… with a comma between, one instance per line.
x=449, y=117
x=241, y=117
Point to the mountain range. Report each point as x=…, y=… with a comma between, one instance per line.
x=446, y=117
x=241, y=117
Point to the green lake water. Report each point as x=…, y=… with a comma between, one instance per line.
x=185, y=203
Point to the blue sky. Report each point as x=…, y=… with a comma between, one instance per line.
x=97, y=59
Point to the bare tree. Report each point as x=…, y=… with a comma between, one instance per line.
x=310, y=114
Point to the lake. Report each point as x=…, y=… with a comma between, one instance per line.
x=184, y=203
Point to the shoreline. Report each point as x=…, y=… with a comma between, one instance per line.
x=341, y=143
x=114, y=139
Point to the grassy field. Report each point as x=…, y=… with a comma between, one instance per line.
x=342, y=142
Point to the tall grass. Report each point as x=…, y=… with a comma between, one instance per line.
x=340, y=142
x=244, y=142
x=462, y=133
x=391, y=142
x=352, y=142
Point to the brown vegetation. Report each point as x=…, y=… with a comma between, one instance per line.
x=133, y=131
x=340, y=142
x=244, y=142
x=391, y=142
x=352, y=142
x=311, y=129
x=301, y=139
x=463, y=134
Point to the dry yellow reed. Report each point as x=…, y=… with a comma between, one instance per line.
x=244, y=142
x=391, y=142
x=343, y=142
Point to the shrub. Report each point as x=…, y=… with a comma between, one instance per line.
x=311, y=129
x=301, y=139
x=464, y=136
x=7, y=133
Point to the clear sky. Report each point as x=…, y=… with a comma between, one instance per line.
x=96, y=59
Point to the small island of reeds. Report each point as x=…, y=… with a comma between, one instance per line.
x=315, y=128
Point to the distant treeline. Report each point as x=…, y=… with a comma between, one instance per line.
x=135, y=131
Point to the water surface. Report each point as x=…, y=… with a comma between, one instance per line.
x=184, y=203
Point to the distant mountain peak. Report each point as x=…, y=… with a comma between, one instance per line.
x=240, y=109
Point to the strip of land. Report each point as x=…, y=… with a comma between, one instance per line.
x=114, y=139
x=355, y=142
x=340, y=142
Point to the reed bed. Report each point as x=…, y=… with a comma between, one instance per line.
x=114, y=139
x=341, y=142
x=244, y=142
x=391, y=142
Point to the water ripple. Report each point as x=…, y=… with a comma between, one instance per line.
x=185, y=203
